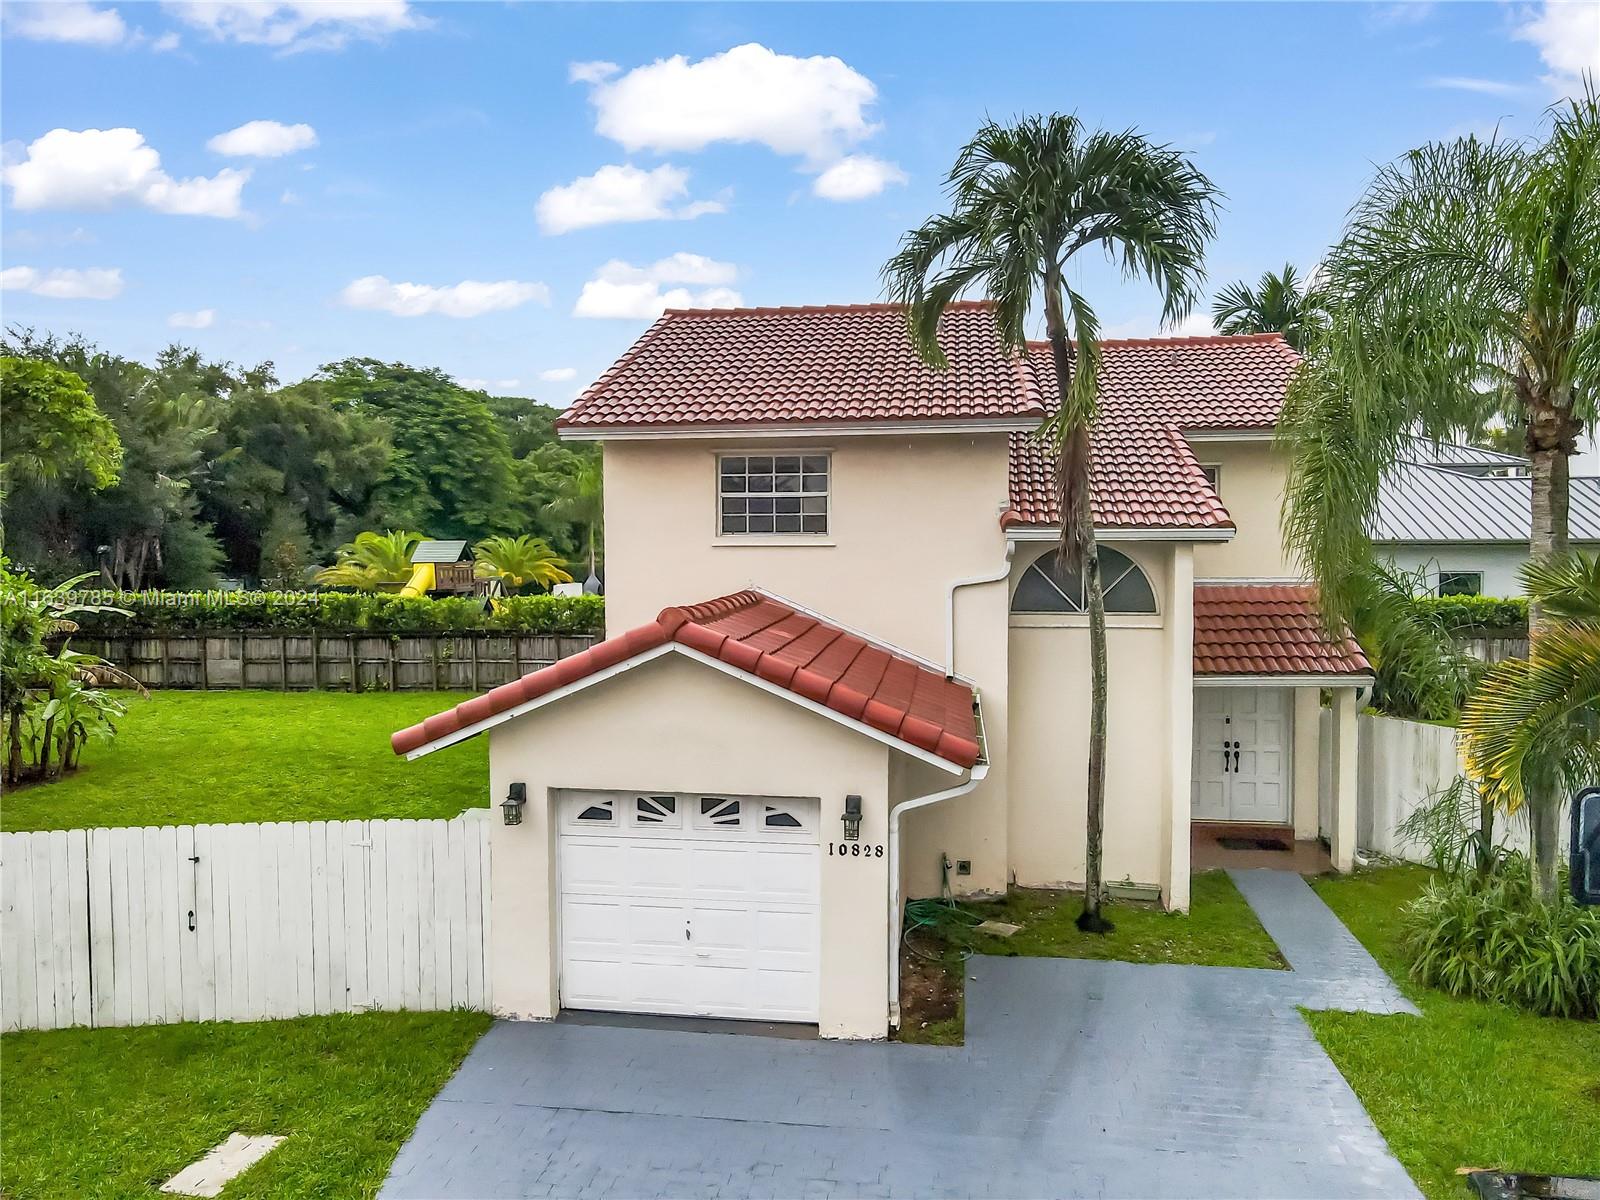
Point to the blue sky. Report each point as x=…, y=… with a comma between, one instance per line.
x=779, y=151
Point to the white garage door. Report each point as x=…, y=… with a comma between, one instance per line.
x=690, y=904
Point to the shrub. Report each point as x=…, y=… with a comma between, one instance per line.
x=1488, y=938
x=1477, y=614
x=338, y=612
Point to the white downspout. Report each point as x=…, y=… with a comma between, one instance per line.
x=995, y=576
x=961, y=789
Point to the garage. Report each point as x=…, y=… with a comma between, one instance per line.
x=689, y=904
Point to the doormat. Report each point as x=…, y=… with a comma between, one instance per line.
x=1255, y=843
x=1503, y=1185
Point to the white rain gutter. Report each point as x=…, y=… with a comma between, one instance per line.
x=995, y=576
x=979, y=771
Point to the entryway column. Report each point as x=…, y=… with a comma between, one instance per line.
x=1180, y=746
x=1342, y=837
x=1307, y=747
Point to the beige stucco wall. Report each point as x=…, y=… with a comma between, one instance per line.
x=1251, y=486
x=909, y=515
x=1050, y=737
x=677, y=725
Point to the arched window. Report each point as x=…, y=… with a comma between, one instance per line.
x=1047, y=588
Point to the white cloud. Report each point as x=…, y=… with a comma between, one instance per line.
x=202, y=318
x=65, y=21
x=622, y=291
x=166, y=42
x=294, y=25
x=470, y=298
x=1567, y=34
x=591, y=72
x=95, y=283
x=104, y=168
x=811, y=107
x=497, y=386
x=1471, y=83
x=1394, y=16
x=620, y=193
x=263, y=139
x=558, y=374
x=855, y=177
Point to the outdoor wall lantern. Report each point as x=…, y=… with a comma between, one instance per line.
x=852, y=818
x=512, y=806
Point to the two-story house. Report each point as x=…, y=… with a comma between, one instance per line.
x=844, y=667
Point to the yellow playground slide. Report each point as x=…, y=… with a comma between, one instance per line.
x=421, y=580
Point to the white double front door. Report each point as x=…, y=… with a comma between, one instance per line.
x=689, y=904
x=1242, y=738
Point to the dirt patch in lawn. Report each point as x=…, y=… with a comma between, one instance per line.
x=931, y=1001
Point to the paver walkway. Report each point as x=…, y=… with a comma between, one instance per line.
x=1078, y=1078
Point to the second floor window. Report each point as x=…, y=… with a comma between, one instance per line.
x=772, y=493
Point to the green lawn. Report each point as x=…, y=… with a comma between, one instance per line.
x=1220, y=930
x=115, y=1112
x=1469, y=1083
x=190, y=757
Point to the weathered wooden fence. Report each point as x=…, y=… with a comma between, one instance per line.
x=305, y=661
x=242, y=922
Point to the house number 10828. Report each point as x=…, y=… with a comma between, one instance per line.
x=854, y=850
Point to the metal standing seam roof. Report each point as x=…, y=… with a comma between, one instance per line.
x=435, y=551
x=773, y=641
x=850, y=363
x=1422, y=503
x=1267, y=629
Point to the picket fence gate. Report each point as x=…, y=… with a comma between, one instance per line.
x=242, y=921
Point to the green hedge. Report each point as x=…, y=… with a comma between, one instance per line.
x=1477, y=614
x=339, y=612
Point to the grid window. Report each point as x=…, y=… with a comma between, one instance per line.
x=1460, y=583
x=772, y=493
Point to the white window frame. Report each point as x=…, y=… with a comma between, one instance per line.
x=802, y=495
x=1213, y=474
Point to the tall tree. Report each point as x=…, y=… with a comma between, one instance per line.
x=1280, y=303
x=1025, y=198
x=1464, y=290
x=51, y=428
x=451, y=471
x=580, y=500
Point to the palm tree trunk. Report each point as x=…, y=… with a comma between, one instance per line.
x=1551, y=437
x=1078, y=547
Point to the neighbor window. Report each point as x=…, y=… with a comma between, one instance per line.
x=1213, y=477
x=772, y=493
x=1460, y=583
x=1046, y=588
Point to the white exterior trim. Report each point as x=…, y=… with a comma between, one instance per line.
x=1228, y=435
x=1051, y=533
x=877, y=735
x=1253, y=581
x=1287, y=681
x=797, y=429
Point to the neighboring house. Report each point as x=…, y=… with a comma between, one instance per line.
x=843, y=668
x=1458, y=517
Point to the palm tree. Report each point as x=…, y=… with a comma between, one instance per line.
x=1025, y=198
x=1279, y=303
x=1531, y=726
x=519, y=561
x=373, y=562
x=581, y=501
x=1463, y=291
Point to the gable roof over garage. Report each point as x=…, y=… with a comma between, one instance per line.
x=769, y=642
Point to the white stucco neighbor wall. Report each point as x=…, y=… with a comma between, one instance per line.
x=909, y=515
x=675, y=725
x=1498, y=561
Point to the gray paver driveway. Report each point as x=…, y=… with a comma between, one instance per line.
x=1078, y=1079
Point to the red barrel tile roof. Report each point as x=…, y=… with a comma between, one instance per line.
x=1267, y=629
x=775, y=642
x=1144, y=474
x=854, y=363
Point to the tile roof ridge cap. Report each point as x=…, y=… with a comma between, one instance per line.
x=719, y=606
x=768, y=310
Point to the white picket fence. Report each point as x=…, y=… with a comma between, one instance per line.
x=242, y=922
